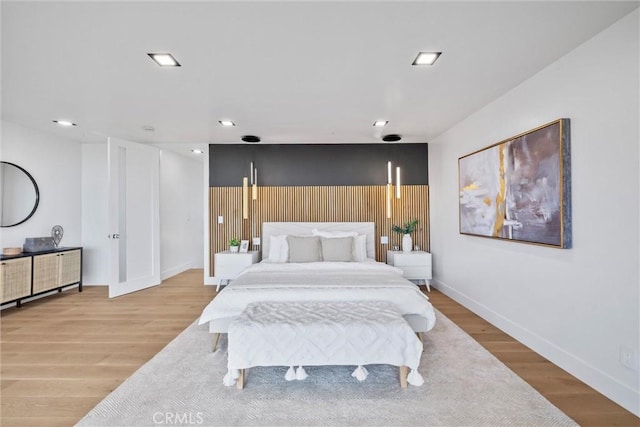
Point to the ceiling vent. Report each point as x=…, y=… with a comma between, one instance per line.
x=391, y=138
x=251, y=138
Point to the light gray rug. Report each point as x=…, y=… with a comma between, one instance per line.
x=464, y=386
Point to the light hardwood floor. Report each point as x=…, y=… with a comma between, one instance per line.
x=62, y=354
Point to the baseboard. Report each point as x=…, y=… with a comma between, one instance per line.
x=594, y=377
x=175, y=270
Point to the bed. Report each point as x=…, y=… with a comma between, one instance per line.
x=278, y=277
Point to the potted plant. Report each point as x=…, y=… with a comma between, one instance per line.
x=406, y=231
x=234, y=244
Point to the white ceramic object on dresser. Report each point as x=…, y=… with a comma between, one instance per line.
x=228, y=265
x=415, y=265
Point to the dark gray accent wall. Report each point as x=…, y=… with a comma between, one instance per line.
x=317, y=164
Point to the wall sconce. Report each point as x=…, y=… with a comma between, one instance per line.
x=389, y=189
x=245, y=196
x=254, y=182
x=397, y=182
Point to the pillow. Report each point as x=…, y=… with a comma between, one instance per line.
x=278, y=248
x=323, y=233
x=337, y=248
x=304, y=249
x=360, y=248
x=359, y=243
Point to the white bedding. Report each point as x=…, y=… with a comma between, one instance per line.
x=319, y=281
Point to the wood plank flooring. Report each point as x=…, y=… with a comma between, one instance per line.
x=63, y=354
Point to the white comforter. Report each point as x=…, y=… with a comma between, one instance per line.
x=319, y=281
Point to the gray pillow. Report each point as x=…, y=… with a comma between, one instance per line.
x=304, y=249
x=337, y=248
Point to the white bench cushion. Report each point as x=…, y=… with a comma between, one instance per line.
x=322, y=333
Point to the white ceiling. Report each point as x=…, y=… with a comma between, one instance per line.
x=289, y=72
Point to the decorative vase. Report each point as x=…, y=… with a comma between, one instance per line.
x=234, y=248
x=407, y=244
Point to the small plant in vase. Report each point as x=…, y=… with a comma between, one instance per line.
x=406, y=231
x=234, y=244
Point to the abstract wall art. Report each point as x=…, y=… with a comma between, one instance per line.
x=519, y=189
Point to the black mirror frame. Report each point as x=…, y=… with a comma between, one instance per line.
x=35, y=185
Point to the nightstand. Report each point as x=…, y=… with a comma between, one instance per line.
x=227, y=265
x=415, y=265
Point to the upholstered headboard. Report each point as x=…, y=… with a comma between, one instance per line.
x=305, y=229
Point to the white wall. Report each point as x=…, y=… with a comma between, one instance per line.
x=95, y=214
x=577, y=306
x=181, y=213
x=54, y=163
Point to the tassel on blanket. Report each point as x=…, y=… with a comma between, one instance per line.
x=291, y=374
x=414, y=378
x=360, y=373
x=228, y=379
x=301, y=374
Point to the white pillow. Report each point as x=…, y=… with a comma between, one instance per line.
x=360, y=248
x=329, y=234
x=278, y=248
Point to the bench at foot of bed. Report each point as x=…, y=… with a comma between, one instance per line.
x=322, y=333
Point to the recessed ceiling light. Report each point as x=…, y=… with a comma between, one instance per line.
x=196, y=151
x=426, y=58
x=164, y=59
x=226, y=123
x=64, y=123
x=380, y=123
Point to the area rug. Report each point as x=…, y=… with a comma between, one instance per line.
x=464, y=386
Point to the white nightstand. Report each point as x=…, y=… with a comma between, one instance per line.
x=227, y=265
x=415, y=265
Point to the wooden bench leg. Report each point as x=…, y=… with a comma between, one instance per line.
x=215, y=341
x=240, y=380
x=404, y=371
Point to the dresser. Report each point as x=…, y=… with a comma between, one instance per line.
x=415, y=265
x=33, y=273
x=227, y=265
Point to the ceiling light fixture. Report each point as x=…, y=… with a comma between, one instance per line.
x=426, y=58
x=64, y=123
x=251, y=138
x=164, y=59
x=391, y=138
x=226, y=123
x=196, y=151
x=380, y=123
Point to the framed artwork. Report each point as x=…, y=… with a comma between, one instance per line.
x=244, y=246
x=519, y=189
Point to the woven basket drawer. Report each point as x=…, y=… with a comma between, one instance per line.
x=45, y=272
x=15, y=278
x=69, y=267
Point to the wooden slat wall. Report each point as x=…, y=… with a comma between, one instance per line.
x=311, y=204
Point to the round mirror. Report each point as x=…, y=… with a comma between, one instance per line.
x=19, y=195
